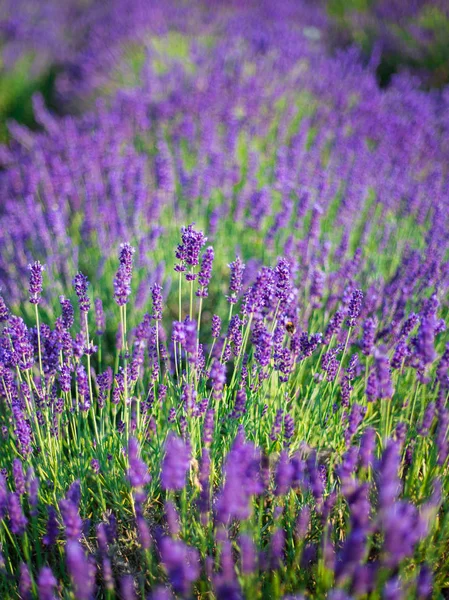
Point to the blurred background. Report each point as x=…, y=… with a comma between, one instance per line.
x=74, y=51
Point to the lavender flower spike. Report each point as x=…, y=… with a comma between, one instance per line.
x=36, y=270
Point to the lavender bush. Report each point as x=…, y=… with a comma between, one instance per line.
x=223, y=348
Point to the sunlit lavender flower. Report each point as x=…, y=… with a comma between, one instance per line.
x=354, y=308
x=205, y=272
x=157, y=302
x=138, y=471
x=100, y=320
x=19, y=476
x=17, y=520
x=46, y=583
x=182, y=564
x=52, y=530
x=81, y=283
x=122, y=281
x=25, y=583
x=216, y=326
x=81, y=570
x=369, y=330
x=235, y=284
x=36, y=270
x=188, y=252
x=4, y=312
x=176, y=463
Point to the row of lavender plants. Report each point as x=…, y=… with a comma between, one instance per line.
x=229, y=378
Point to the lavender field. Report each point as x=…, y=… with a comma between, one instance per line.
x=224, y=279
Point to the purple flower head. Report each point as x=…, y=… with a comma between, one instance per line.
x=188, y=252
x=218, y=377
x=369, y=330
x=25, y=583
x=282, y=276
x=138, y=471
x=247, y=554
x=205, y=272
x=181, y=563
x=283, y=475
x=157, y=302
x=242, y=481
x=176, y=463
x=333, y=326
x=100, y=321
x=235, y=284
x=424, y=583
x=388, y=480
x=23, y=350
x=17, y=520
x=73, y=523
x=36, y=270
x=46, y=583
x=208, y=427
x=264, y=344
x=80, y=571
x=81, y=283
x=19, y=476
x=425, y=342
x=367, y=447
x=354, y=308
x=122, y=281
x=383, y=374
x=216, y=326
x=127, y=591
x=178, y=332
x=4, y=312
x=52, y=530
x=67, y=312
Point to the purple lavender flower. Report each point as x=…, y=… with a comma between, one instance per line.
x=52, y=530
x=25, y=583
x=205, y=272
x=242, y=481
x=175, y=464
x=235, y=284
x=36, y=270
x=208, y=428
x=333, y=326
x=122, y=281
x=383, y=374
x=23, y=351
x=67, y=312
x=283, y=475
x=46, y=583
x=218, y=377
x=100, y=321
x=157, y=302
x=247, y=554
x=425, y=342
x=4, y=312
x=81, y=283
x=138, y=471
x=354, y=308
x=182, y=564
x=80, y=571
x=19, y=476
x=127, y=588
x=369, y=330
x=216, y=326
x=17, y=520
x=188, y=251
x=73, y=523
